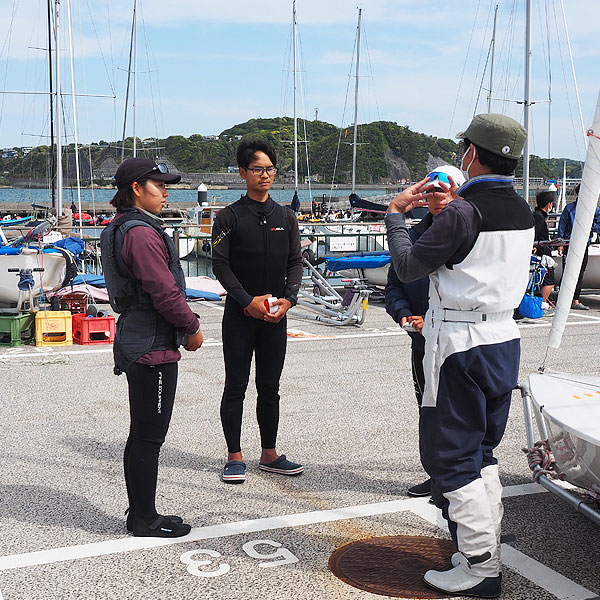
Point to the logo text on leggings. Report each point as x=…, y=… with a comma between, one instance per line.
x=159, y=392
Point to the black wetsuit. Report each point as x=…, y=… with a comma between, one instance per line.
x=256, y=251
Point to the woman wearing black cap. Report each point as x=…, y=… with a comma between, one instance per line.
x=146, y=287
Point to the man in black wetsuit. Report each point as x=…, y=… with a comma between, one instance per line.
x=256, y=257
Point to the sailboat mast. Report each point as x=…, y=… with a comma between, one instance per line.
x=294, y=35
x=74, y=103
x=492, y=60
x=52, y=166
x=356, y=102
x=527, y=103
x=135, y=49
x=59, y=170
x=128, y=80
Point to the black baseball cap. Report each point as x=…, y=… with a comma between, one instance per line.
x=132, y=169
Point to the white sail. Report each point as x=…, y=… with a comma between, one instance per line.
x=584, y=216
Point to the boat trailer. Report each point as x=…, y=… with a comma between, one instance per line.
x=575, y=501
x=319, y=301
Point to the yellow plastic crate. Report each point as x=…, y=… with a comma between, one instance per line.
x=53, y=328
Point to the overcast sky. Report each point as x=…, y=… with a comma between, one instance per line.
x=205, y=65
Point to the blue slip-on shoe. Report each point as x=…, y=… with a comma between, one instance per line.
x=282, y=465
x=234, y=472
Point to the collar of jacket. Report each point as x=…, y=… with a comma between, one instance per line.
x=485, y=182
x=157, y=220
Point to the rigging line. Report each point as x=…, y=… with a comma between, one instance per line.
x=562, y=4
x=549, y=84
x=483, y=76
x=100, y=47
x=150, y=77
x=285, y=74
x=128, y=79
x=364, y=33
x=74, y=105
x=572, y=119
x=337, y=153
x=89, y=146
x=479, y=60
x=462, y=75
x=7, y=42
x=303, y=104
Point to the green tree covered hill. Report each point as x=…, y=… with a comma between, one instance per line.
x=386, y=152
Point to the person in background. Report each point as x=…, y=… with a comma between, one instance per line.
x=408, y=303
x=477, y=254
x=565, y=229
x=544, y=204
x=257, y=258
x=146, y=286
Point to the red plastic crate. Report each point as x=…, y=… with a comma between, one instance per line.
x=93, y=330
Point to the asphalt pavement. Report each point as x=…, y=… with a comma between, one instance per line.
x=348, y=413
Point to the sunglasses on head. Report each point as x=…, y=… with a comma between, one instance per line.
x=438, y=176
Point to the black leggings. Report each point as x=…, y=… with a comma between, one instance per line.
x=584, y=263
x=243, y=336
x=151, y=397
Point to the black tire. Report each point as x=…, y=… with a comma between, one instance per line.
x=308, y=255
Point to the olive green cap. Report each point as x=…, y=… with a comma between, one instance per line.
x=497, y=133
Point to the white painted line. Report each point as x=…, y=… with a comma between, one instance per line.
x=544, y=577
x=43, y=557
x=531, y=325
x=417, y=505
x=591, y=317
x=213, y=306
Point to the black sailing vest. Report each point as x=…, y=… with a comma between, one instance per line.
x=260, y=247
x=140, y=329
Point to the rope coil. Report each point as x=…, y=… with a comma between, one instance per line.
x=541, y=461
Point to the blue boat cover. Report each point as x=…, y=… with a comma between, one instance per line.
x=9, y=250
x=201, y=295
x=74, y=245
x=363, y=260
x=95, y=280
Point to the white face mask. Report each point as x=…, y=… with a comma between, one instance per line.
x=462, y=167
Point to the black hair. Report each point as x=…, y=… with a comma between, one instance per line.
x=248, y=148
x=124, y=197
x=498, y=164
x=545, y=198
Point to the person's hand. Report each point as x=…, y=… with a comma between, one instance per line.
x=417, y=322
x=194, y=342
x=534, y=250
x=561, y=250
x=256, y=308
x=283, y=306
x=409, y=198
x=439, y=197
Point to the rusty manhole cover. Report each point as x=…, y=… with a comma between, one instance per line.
x=392, y=566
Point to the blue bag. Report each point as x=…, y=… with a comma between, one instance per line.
x=531, y=306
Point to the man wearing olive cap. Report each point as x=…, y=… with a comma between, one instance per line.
x=476, y=253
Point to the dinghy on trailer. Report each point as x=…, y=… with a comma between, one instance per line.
x=567, y=407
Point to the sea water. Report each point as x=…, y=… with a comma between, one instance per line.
x=42, y=196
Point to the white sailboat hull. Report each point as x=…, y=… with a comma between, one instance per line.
x=50, y=279
x=569, y=406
